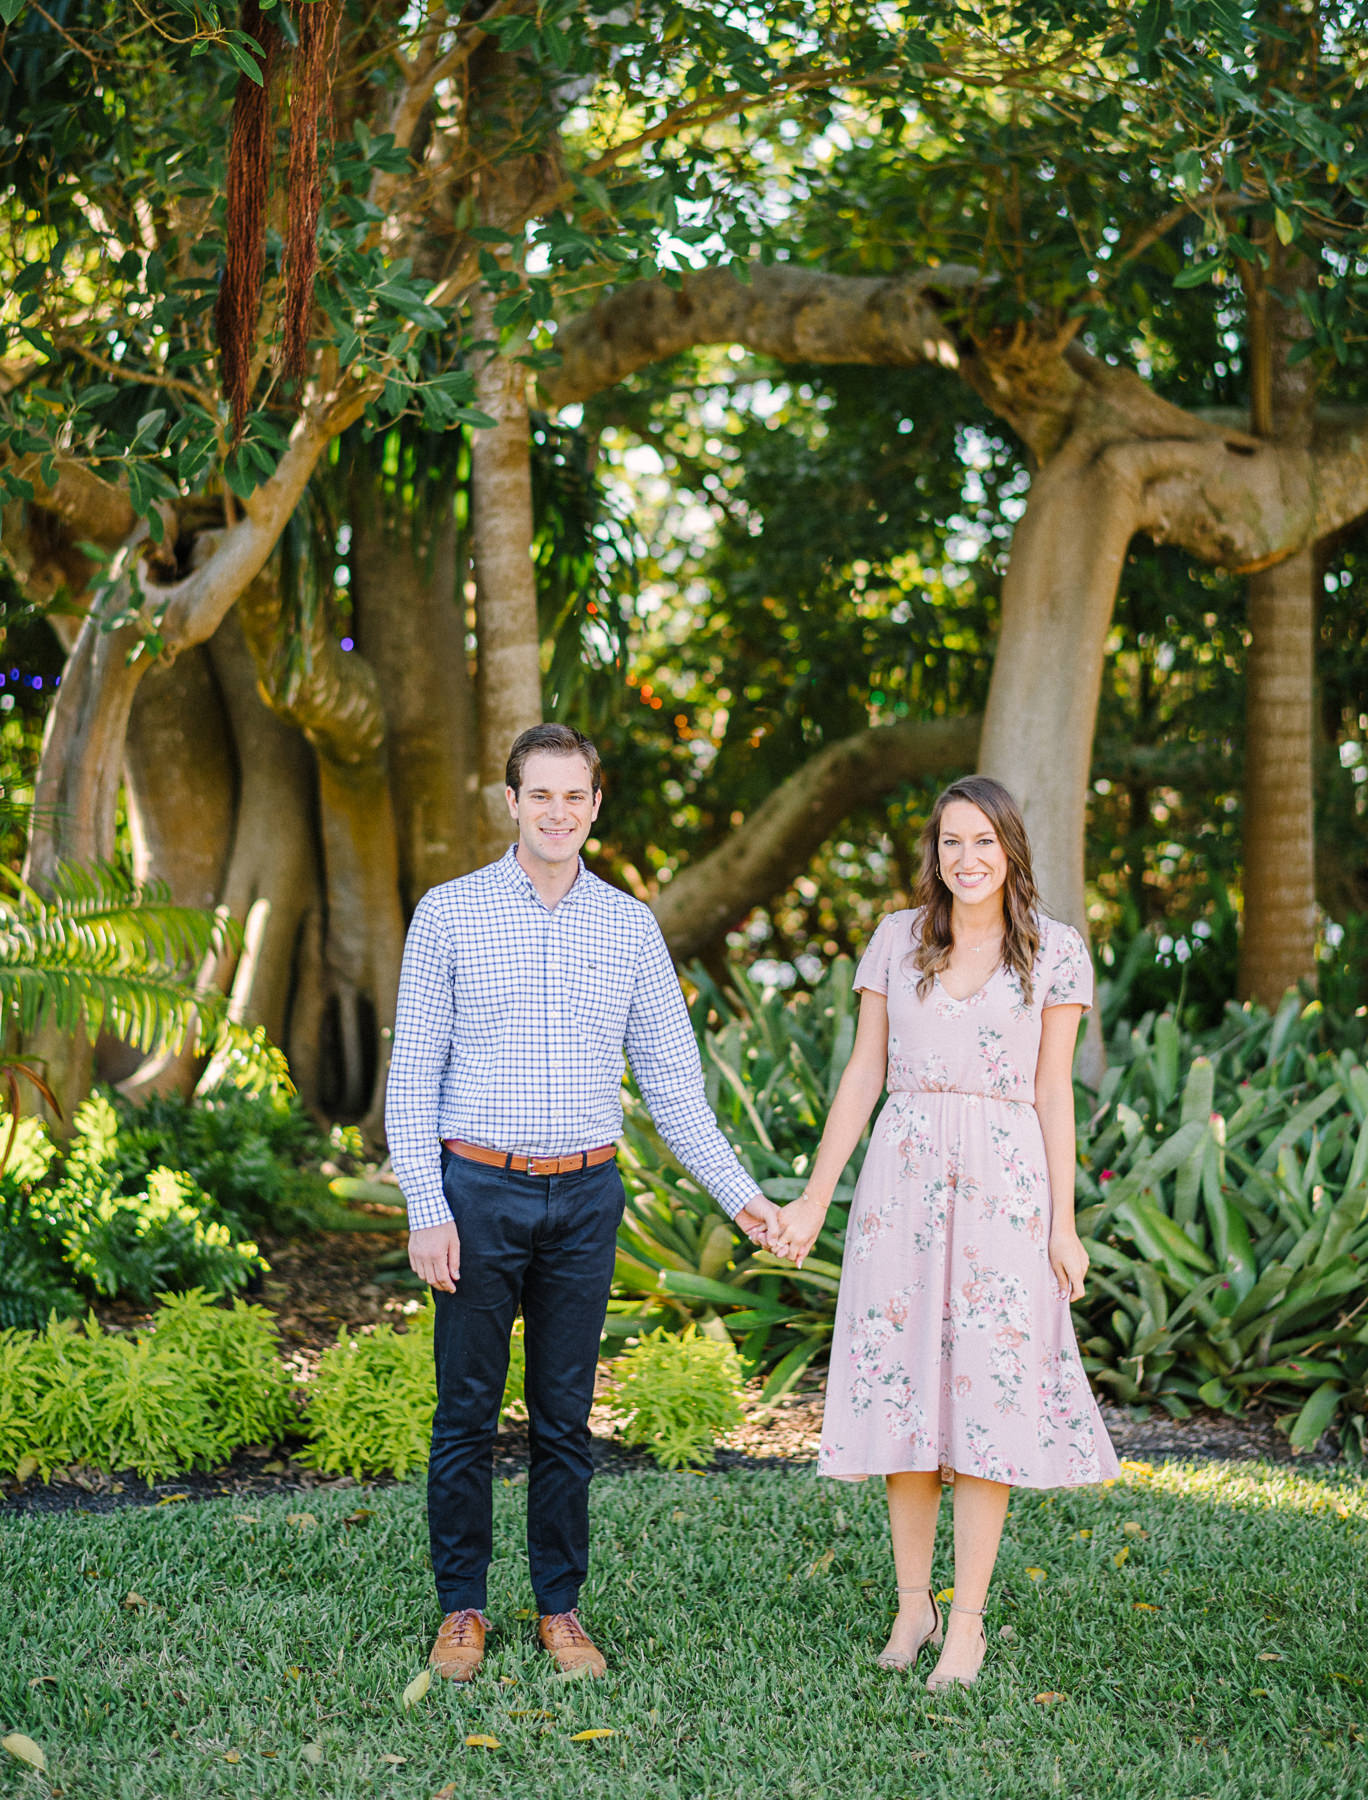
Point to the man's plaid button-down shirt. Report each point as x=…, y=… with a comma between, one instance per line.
x=511, y=1027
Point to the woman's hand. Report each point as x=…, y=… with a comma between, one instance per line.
x=1069, y=1260
x=799, y=1223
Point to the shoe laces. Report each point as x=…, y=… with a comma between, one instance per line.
x=459, y=1627
x=569, y=1623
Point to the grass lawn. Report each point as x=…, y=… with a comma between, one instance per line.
x=1187, y=1632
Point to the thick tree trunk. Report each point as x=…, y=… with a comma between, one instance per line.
x=508, y=671
x=759, y=859
x=1277, y=948
x=181, y=782
x=410, y=625
x=334, y=699
x=1278, y=941
x=1057, y=601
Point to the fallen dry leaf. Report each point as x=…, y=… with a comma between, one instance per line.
x=822, y=1563
x=133, y=1601
x=595, y=1731
x=1121, y=1555
x=1008, y=1634
x=508, y=1681
x=1143, y=1606
x=1085, y=1534
x=1133, y=1528
x=24, y=1749
x=172, y=1499
x=1037, y=1574
x=302, y=1521
x=1049, y=1699
x=39, y=1680
x=1339, y=1675
x=445, y=1793
x=481, y=1740
x=390, y=1757
x=294, y=1672
x=415, y=1690
x=360, y=1516
x=1269, y=1656
x=247, y=1518
x=946, y=1595
x=313, y=1753
x=232, y=1756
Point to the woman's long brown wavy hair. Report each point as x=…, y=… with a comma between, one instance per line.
x=1020, y=901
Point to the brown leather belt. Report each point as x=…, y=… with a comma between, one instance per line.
x=531, y=1165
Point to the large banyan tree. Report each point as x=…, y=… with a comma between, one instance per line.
x=297, y=291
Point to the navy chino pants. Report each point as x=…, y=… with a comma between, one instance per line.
x=546, y=1243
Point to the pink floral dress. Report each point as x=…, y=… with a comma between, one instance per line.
x=952, y=1348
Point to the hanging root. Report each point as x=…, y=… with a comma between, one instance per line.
x=249, y=178
x=318, y=23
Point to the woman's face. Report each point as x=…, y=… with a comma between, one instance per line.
x=973, y=864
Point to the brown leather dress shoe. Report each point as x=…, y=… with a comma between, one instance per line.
x=460, y=1645
x=572, y=1649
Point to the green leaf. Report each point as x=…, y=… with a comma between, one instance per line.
x=1196, y=274
x=1283, y=226
x=1317, y=1415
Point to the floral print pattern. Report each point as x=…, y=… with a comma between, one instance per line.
x=952, y=1347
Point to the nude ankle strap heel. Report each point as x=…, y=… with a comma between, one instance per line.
x=932, y=1684
x=893, y=1659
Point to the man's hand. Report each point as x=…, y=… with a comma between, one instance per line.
x=759, y=1219
x=435, y=1256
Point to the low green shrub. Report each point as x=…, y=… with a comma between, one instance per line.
x=371, y=1402
x=677, y=1394
x=236, y=1351
x=184, y=1394
x=254, y=1154
x=96, y=1222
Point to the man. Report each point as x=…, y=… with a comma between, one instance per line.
x=522, y=986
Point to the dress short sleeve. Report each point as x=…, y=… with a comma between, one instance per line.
x=874, y=964
x=1070, y=980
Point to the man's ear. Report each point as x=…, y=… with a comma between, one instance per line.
x=511, y=797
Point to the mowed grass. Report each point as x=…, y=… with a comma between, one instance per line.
x=1201, y=1631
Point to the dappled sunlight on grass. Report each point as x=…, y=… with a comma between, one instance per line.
x=1186, y=1631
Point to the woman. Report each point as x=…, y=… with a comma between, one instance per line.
x=954, y=1350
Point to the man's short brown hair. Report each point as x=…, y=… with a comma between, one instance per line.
x=560, y=740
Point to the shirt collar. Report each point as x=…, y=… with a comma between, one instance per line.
x=515, y=876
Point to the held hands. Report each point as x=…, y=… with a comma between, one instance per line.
x=435, y=1256
x=1069, y=1260
x=800, y=1221
x=759, y=1219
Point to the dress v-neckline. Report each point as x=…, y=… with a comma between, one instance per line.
x=955, y=999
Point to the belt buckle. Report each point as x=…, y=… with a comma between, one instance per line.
x=543, y=1165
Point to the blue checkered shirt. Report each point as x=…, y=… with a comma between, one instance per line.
x=511, y=1027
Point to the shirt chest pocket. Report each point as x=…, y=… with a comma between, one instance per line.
x=599, y=992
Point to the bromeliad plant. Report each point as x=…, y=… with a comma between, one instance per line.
x=771, y=1063
x=1226, y=1208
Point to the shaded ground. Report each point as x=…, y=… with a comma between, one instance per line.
x=348, y=1278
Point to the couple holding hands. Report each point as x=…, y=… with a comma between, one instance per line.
x=954, y=1356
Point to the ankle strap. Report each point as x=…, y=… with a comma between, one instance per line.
x=916, y=1590
x=976, y=1612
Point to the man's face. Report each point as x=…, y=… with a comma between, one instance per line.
x=555, y=808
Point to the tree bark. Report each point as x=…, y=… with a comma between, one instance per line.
x=1278, y=939
x=410, y=625
x=508, y=671
x=759, y=859
x=181, y=783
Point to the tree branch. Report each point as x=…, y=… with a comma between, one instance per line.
x=793, y=314
x=778, y=840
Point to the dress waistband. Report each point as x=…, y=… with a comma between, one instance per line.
x=962, y=1094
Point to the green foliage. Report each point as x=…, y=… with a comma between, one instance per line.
x=678, y=1395
x=102, y=953
x=182, y=1395
x=771, y=1063
x=370, y=1405
x=106, y=1224
x=237, y=1350
x=254, y=1154
x=1223, y=1190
